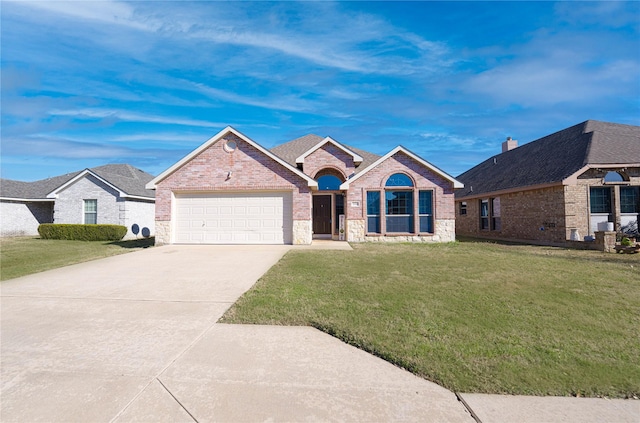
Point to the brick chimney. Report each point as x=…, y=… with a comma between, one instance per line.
x=509, y=144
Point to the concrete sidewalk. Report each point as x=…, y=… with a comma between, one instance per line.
x=526, y=409
x=134, y=338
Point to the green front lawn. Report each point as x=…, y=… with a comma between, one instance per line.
x=471, y=316
x=25, y=255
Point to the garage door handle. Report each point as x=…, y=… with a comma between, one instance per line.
x=203, y=223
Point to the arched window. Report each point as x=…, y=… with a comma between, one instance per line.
x=329, y=182
x=613, y=177
x=399, y=180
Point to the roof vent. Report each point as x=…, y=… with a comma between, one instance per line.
x=509, y=144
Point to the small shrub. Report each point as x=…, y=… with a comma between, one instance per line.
x=82, y=232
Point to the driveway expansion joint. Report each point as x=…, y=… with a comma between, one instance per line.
x=177, y=400
x=468, y=407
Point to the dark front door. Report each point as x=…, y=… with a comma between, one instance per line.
x=322, y=214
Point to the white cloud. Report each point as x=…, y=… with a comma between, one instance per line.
x=335, y=41
x=133, y=117
x=103, y=11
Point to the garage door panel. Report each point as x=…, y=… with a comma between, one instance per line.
x=234, y=218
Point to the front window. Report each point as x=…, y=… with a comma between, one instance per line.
x=425, y=211
x=463, y=208
x=399, y=208
x=90, y=212
x=600, y=198
x=630, y=200
x=399, y=211
x=373, y=211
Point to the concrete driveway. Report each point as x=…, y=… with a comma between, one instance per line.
x=134, y=338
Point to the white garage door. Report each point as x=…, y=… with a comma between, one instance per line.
x=234, y=218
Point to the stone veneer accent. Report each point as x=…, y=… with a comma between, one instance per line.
x=445, y=231
x=302, y=233
x=163, y=232
x=355, y=230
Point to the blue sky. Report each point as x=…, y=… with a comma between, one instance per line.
x=85, y=83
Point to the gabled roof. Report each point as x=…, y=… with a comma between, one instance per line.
x=152, y=184
x=556, y=158
x=456, y=183
x=303, y=146
x=124, y=178
x=328, y=140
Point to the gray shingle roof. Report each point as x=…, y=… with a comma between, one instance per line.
x=126, y=178
x=291, y=150
x=553, y=158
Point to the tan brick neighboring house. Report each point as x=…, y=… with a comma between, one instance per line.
x=109, y=194
x=231, y=190
x=555, y=188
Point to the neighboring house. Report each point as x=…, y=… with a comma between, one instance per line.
x=110, y=194
x=231, y=190
x=556, y=188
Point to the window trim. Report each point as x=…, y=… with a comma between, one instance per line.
x=429, y=215
x=414, y=216
x=484, y=218
x=490, y=221
x=636, y=195
x=94, y=212
x=410, y=215
x=378, y=216
x=609, y=201
x=463, y=208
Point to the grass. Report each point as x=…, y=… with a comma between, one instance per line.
x=470, y=316
x=26, y=255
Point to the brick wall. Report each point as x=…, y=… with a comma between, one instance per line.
x=537, y=214
x=22, y=219
x=546, y=215
x=423, y=178
x=112, y=209
x=329, y=156
x=251, y=170
x=69, y=206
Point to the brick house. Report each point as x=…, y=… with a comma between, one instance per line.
x=231, y=190
x=556, y=188
x=109, y=194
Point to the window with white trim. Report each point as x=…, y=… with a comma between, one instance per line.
x=90, y=212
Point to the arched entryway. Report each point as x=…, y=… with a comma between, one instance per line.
x=328, y=204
